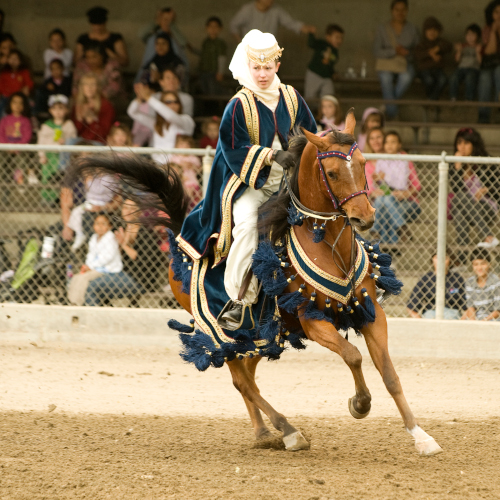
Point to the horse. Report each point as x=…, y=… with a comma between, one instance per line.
x=330, y=172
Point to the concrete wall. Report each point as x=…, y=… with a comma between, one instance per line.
x=30, y=21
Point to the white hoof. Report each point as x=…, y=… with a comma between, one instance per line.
x=295, y=442
x=353, y=411
x=426, y=445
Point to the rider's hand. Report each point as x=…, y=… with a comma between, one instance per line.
x=285, y=159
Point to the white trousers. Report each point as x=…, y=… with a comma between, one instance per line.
x=245, y=237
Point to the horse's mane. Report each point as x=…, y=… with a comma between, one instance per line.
x=273, y=215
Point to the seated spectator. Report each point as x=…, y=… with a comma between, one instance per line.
x=15, y=128
x=58, y=130
x=210, y=131
x=119, y=136
x=330, y=116
x=482, y=290
x=393, y=47
x=375, y=138
x=170, y=121
x=213, y=60
x=112, y=44
x=103, y=257
x=372, y=118
x=468, y=55
x=15, y=76
x=395, y=199
x=321, y=69
x=93, y=115
x=430, y=58
x=56, y=84
x=422, y=300
x=57, y=50
x=142, y=262
x=489, y=76
x=95, y=62
x=7, y=45
x=472, y=191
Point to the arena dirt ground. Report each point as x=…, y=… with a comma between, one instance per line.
x=111, y=422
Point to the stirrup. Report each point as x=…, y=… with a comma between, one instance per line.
x=244, y=321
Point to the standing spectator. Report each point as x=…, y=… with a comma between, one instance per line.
x=57, y=130
x=372, y=117
x=422, y=300
x=213, y=58
x=7, y=44
x=472, y=191
x=396, y=200
x=266, y=17
x=170, y=121
x=56, y=84
x=15, y=76
x=468, y=55
x=393, y=47
x=330, y=114
x=93, y=115
x=319, y=73
x=489, y=76
x=57, y=50
x=482, y=290
x=430, y=58
x=210, y=131
x=112, y=44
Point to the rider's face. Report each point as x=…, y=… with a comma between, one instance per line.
x=263, y=75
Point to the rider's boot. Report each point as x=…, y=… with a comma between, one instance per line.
x=235, y=315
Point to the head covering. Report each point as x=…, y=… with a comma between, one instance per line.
x=58, y=99
x=260, y=48
x=97, y=15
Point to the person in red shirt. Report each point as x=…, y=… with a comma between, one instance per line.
x=15, y=76
x=210, y=129
x=93, y=115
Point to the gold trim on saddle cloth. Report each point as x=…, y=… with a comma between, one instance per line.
x=263, y=56
x=333, y=279
x=291, y=101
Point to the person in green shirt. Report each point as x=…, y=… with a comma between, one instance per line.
x=318, y=81
x=212, y=58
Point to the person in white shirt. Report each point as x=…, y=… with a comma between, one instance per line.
x=57, y=50
x=169, y=122
x=266, y=17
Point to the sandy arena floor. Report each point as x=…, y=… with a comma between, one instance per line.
x=112, y=422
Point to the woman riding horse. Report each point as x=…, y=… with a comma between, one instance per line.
x=246, y=170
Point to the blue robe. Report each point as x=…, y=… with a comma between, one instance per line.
x=239, y=164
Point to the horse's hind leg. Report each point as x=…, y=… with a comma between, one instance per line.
x=259, y=427
x=246, y=385
x=376, y=340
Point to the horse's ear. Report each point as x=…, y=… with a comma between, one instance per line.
x=321, y=143
x=350, y=122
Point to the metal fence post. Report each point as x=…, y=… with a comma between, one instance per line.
x=207, y=167
x=441, y=236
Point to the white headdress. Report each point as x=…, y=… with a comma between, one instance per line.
x=260, y=48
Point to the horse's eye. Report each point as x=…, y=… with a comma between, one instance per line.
x=332, y=175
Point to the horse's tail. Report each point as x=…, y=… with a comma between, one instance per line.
x=153, y=187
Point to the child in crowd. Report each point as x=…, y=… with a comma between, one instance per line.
x=56, y=84
x=7, y=45
x=430, y=58
x=212, y=58
x=57, y=50
x=319, y=74
x=190, y=162
x=15, y=128
x=482, y=290
x=15, y=76
x=120, y=136
x=372, y=118
x=103, y=257
x=330, y=116
x=210, y=130
x=468, y=55
x=57, y=130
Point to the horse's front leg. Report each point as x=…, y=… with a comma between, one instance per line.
x=244, y=382
x=376, y=339
x=325, y=334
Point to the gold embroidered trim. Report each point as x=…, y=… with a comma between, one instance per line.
x=249, y=105
x=184, y=245
x=263, y=56
x=248, y=161
x=258, y=165
x=291, y=101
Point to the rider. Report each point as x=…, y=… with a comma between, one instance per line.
x=246, y=170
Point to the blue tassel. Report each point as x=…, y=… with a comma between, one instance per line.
x=319, y=232
x=289, y=302
x=176, y=325
x=295, y=218
x=311, y=311
x=369, y=306
x=197, y=349
x=360, y=314
x=175, y=256
x=296, y=339
x=385, y=271
x=328, y=311
x=269, y=329
x=344, y=319
x=267, y=268
x=372, y=247
x=391, y=285
x=382, y=259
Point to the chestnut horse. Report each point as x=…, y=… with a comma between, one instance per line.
x=342, y=179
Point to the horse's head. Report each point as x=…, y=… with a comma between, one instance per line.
x=344, y=179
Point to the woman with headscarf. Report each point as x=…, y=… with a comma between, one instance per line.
x=246, y=170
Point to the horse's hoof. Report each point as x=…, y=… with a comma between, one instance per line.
x=295, y=442
x=353, y=411
x=428, y=447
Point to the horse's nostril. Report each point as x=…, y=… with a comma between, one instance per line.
x=357, y=222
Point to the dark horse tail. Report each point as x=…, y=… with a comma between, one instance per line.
x=153, y=187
